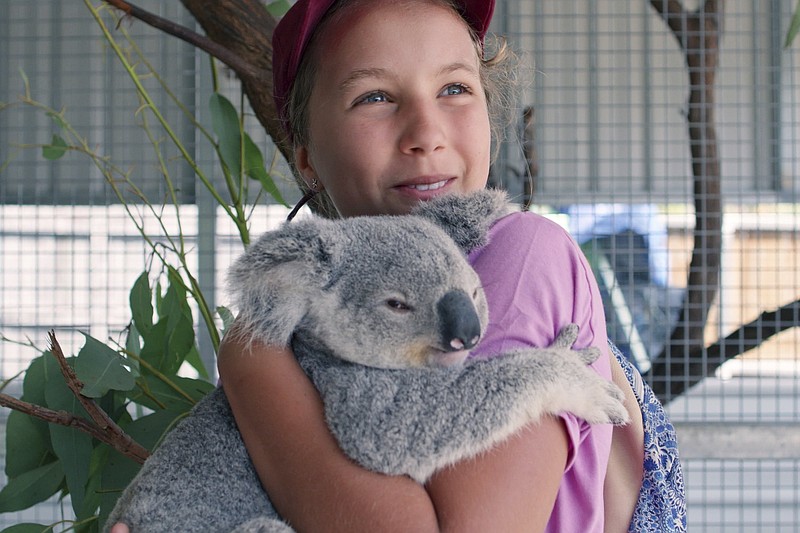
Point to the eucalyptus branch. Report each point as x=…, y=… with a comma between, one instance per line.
x=142, y=58
x=109, y=170
x=240, y=220
x=205, y=310
x=160, y=375
x=100, y=427
x=185, y=34
x=62, y=418
x=154, y=108
x=237, y=215
x=28, y=343
x=170, y=189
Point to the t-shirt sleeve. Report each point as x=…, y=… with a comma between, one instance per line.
x=537, y=281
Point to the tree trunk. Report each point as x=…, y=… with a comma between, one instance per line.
x=698, y=34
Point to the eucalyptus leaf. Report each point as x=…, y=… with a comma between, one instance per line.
x=175, y=329
x=56, y=149
x=160, y=349
x=227, y=318
x=58, y=395
x=278, y=8
x=27, y=448
x=74, y=450
x=132, y=343
x=72, y=446
x=159, y=297
x=33, y=387
x=92, y=498
x=180, y=344
x=794, y=26
x=169, y=344
x=141, y=302
x=225, y=123
x=161, y=395
x=32, y=487
x=102, y=369
x=153, y=350
x=149, y=430
x=117, y=474
x=33, y=384
x=175, y=305
x=194, y=359
x=255, y=169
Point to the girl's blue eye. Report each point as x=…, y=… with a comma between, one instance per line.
x=455, y=89
x=373, y=98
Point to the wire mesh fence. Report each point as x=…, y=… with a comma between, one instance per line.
x=601, y=144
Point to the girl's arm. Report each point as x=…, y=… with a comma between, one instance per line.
x=316, y=487
x=309, y=480
x=511, y=488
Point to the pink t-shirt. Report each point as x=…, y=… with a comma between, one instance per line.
x=536, y=281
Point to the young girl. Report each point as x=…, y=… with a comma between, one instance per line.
x=388, y=104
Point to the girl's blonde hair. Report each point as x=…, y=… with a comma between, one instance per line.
x=498, y=72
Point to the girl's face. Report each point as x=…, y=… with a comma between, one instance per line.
x=397, y=113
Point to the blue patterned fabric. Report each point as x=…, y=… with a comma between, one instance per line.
x=662, y=500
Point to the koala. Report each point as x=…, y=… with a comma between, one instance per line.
x=381, y=313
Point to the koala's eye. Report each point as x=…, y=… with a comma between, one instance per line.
x=397, y=305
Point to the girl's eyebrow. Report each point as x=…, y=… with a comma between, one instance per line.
x=360, y=74
x=379, y=73
x=459, y=65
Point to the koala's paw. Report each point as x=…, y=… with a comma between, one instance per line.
x=599, y=401
x=567, y=337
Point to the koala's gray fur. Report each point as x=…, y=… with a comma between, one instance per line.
x=361, y=302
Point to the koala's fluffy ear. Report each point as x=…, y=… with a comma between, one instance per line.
x=467, y=218
x=273, y=282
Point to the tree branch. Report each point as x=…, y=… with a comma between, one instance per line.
x=752, y=334
x=113, y=434
x=671, y=377
x=202, y=42
x=101, y=427
x=62, y=418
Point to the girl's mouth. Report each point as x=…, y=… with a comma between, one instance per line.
x=429, y=186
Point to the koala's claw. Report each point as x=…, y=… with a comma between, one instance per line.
x=588, y=355
x=601, y=402
x=618, y=414
x=566, y=336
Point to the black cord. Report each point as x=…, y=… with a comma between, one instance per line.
x=303, y=201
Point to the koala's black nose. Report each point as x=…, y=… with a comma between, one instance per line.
x=460, y=327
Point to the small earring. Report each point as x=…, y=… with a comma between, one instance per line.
x=314, y=184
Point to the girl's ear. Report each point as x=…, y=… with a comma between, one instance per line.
x=304, y=165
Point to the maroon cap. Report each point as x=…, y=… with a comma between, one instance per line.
x=291, y=36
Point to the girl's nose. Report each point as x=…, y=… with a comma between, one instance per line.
x=423, y=131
